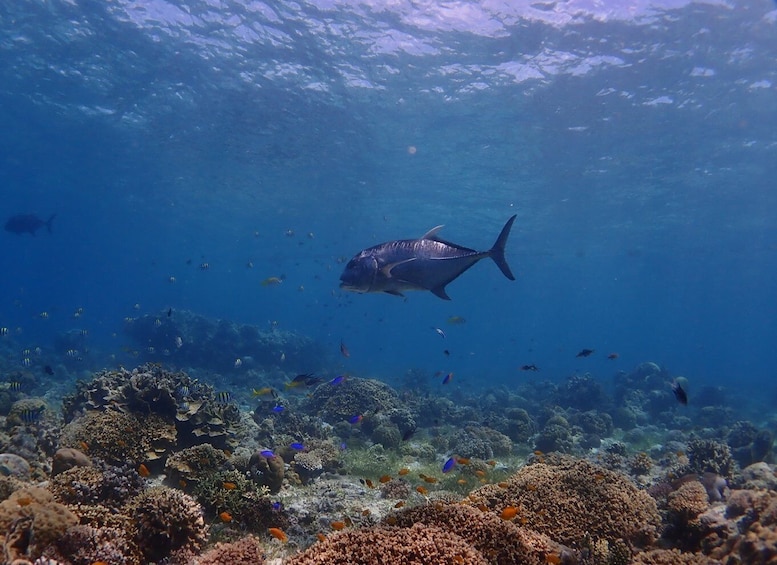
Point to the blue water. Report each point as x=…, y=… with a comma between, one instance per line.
x=635, y=141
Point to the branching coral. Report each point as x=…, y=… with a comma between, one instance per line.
x=245, y=551
x=573, y=499
x=417, y=545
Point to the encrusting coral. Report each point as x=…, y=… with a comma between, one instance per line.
x=31, y=511
x=245, y=551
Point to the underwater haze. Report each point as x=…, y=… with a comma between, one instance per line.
x=196, y=153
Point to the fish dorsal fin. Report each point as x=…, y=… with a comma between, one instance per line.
x=440, y=291
x=432, y=233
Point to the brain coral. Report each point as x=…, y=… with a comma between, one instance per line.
x=498, y=540
x=573, y=498
x=245, y=551
x=36, y=507
x=166, y=520
x=379, y=545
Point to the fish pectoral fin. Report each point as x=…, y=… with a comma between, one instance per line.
x=394, y=293
x=432, y=232
x=387, y=269
x=440, y=291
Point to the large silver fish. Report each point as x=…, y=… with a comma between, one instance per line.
x=427, y=263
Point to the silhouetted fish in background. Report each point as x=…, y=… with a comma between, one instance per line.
x=679, y=392
x=427, y=263
x=27, y=223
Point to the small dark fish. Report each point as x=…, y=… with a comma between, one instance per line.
x=48, y=370
x=15, y=386
x=612, y=356
x=223, y=397
x=584, y=353
x=679, y=392
x=408, y=434
x=306, y=379
x=428, y=263
x=344, y=350
x=169, y=312
x=31, y=415
x=446, y=352
x=531, y=367
x=27, y=223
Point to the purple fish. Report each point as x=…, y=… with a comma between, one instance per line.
x=267, y=453
x=449, y=465
x=337, y=380
x=447, y=378
x=355, y=419
x=277, y=506
x=278, y=409
x=297, y=446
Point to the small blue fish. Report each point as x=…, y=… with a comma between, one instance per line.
x=337, y=380
x=297, y=446
x=449, y=465
x=277, y=506
x=343, y=446
x=224, y=397
x=267, y=453
x=278, y=409
x=447, y=378
x=355, y=419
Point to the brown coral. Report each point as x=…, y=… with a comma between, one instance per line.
x=379, y=545
x=35, y=506
x=573, y=499
x=119, y=438
x=688, y=501
x=500, y=541
x=671, y=557
x=166, y=520
x=245, y=551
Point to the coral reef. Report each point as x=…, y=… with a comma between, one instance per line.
x=267, y=470
x=165, y=520
x=33, y=510
x=569, y=500
x=101, y=483
x=176, y=399
x=556, y=435
x=479, y=442
x=66, y=458
x=245, y=551
x=119, y=437
x=709, y=456
x=85, y=545
x=378, y=545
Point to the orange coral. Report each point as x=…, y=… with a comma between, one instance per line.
x=688, y=501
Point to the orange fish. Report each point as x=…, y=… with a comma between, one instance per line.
x=553, y=558
x=480, y=473
x=483, y=507
x=320, y=536
x=462, y=481
x=182, y=483
x=538, y=453
x=385, y=478
x=337, y=526
x=430, y=480
x=404, y=471
x=99, y=563
x=143, y=471
x=229, y=486
x=366, y=512
x=84, y=446
x=225, y=516
x=422, y=490
x=503, y=484
x=399, y=504
x=491, y=462
x=462, y=460
x=369, y=483
x=509, y=513
x=278, y=534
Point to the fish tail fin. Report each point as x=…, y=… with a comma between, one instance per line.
x=497, y=252
x=49, y=221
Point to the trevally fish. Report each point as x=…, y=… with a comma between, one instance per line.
x=427, y=263
x=27, y=223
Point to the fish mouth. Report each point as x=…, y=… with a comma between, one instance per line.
x=350, y=287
